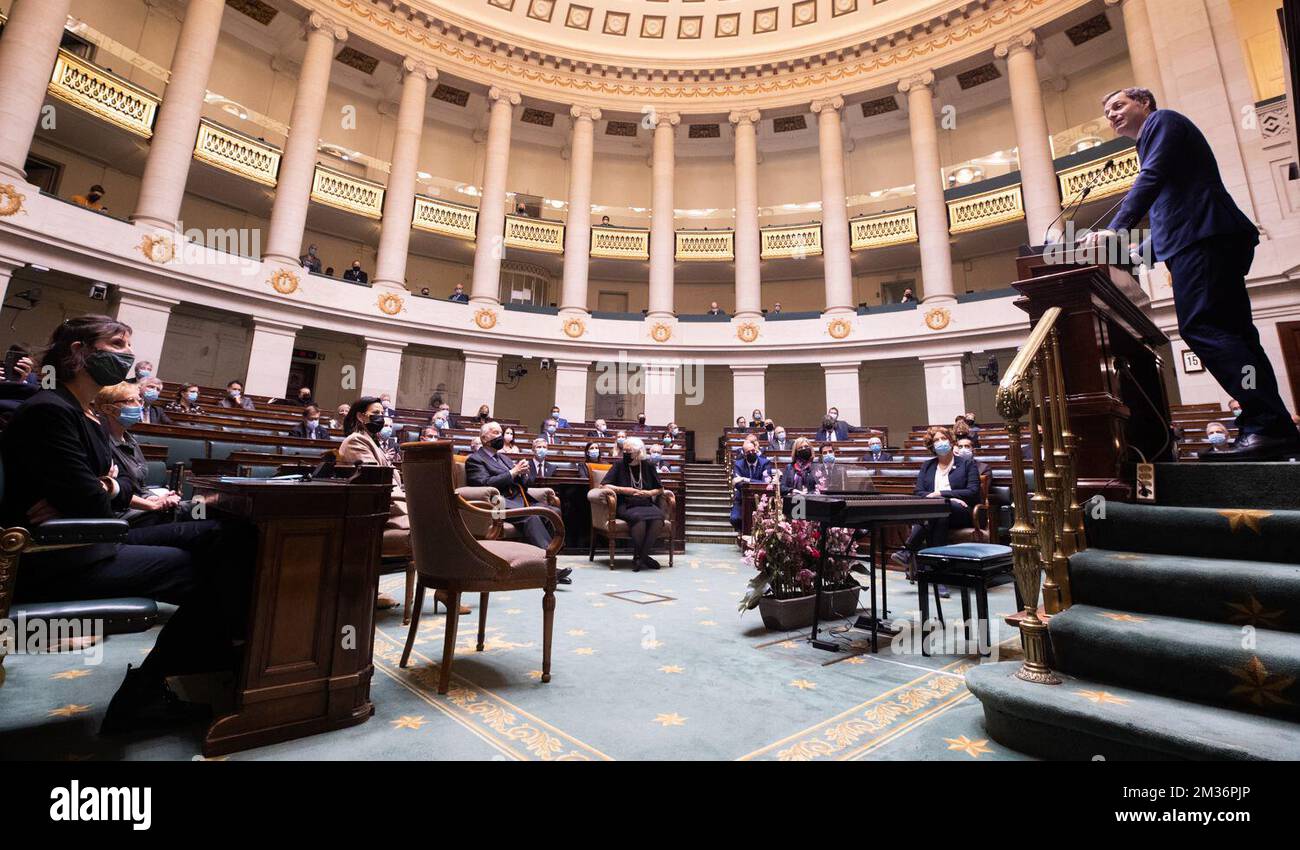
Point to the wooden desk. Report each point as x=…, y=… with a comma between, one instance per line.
x=307, y=658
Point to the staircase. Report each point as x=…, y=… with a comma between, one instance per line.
x=708, y=504
x=1183, y=640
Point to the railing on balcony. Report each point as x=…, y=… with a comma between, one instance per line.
x=1048, y=525
x=104, y=94
x=348, y=193
x=1118, y=179
x=444, y=217
x=881, y=230
x=987, y=209
x=794, y=240
x=620, y=243
x=706, y=245
x=535, y=234
x=237, y=153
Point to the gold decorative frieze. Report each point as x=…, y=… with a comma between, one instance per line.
x=986, y=209
x=104, y=94
x=444, y=217
x=1118, y=179
x=797, y=241
x=535, y=234
x=620, y=243
x=348, y=193
x=706, y=245
x=883, y=229
x=11, y=200
x=237, y=153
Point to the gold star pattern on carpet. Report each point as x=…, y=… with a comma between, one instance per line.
x=855, y=659
x=534, y=674
x=407, y=721
x=68, y=675
x=673, y=719
x=787, y=644
x=1252, y=613
x=703, y=608
x=670, y=668
x=513, y=611
x=1258, y=686
x=69, y=710
x=1122, y=618
x=974, y=749
x=1102, y=697
x=651, y=644
x=707, y=623
x=1247, y=518
x=577, y=633
x=641, y=616
x=804, y=685
x=584, y=650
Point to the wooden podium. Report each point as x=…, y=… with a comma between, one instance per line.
x=307, y=659
x=1115, y=392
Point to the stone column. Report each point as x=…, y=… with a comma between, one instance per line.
x=844, y=391
x=577, y=227
x=382, y=367
x=1038, y=183
x=27, y=53
x=148, y=316
x=480, y=385
x=749, y=286
x=945, y=395
x=298, y=163
x=7, y=269
x=1142, y=54
x=748, y=391
x=836, y=257
x=399, y=197
x=490, y=245
x=269, y=357
x=571, y=388
x=931, y=209
x=660, y=381
x=172, y=149
x=663, y=237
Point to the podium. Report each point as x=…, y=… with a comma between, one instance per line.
x=1110, y=358
x=307, y=660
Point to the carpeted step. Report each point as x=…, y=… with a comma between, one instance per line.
x=1268, y=486
x=1263, y=594
x=1084, y=720
x=1252, y=670
x=1252, y=534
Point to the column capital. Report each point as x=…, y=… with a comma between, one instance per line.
x=925, y=79
x=1027, y=40
x=389, y=345
x=275, y=326
x=508, y=96
x=834, y=104
x=412, y=65
x=744, y=116
x=843, y=367
x=317, y=21
x=748, y=369
x=938, y=360
x=141, y=299
x=482, y=357
x=659, y=119
x=581, y=111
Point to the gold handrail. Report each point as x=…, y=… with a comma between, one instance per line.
x=1048, y=525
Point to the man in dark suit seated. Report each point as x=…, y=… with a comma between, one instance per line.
x=640, y=427
x=777, y=441
x=311, y=428
x=876, y=451
x=560, y=421
x=151, y=412
x=599, y=430
x=486, y=468
x=841, y=428
x=355, y=274
x=538, y=467
x=1208, y=245
x=751, y=466
x=549, y=435
x=458, y=295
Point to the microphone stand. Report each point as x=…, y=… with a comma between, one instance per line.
x=1082, y=195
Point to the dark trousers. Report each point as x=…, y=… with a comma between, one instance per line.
x=935, y=532
x=533, y=529
x=1213, y=308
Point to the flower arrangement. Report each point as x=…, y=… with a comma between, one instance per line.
x=785, y=554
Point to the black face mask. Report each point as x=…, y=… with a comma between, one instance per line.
x=804, y=455
x=498, y=443
x=107, y=368
x=751, y=456
x=641, y=419
x=375, y=424
x=627, y=458
x=770, y=427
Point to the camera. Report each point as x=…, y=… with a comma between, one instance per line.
x=99, y=291
x=516, y=372
x=546, y=364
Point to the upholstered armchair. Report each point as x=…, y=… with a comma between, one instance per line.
x=484, y=527
x=605, y=522
x=984, y=528
x=448, y=557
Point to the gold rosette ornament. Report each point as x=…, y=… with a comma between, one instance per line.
x=390, y=303
x=748, y=332
x=11, y=202
x=661, y=332
x=485, y=318
x=284, y=281
x=158, y=248
x=839, y=328
x=574, y=327
x=938, y=318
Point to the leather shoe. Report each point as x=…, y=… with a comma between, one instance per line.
x=1255, y=447
x=562, y=575
x=651, y=563
x=141, y=704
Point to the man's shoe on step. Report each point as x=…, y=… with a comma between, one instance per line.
x=562, y=575
x=1255, y=447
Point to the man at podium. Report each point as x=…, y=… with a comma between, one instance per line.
x=1208, y=245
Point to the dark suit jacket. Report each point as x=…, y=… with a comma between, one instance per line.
x=153, y=414
x=356, y=276
x=52, y=451
x=459, y=298
x=883, y=456
x=1180, y=187
x=807, y=480
x=963, y=477
x=484, y=469
x=302, y=429
x=783, y=446
x=547, y=470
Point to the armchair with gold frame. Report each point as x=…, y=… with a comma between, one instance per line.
x=605, y=521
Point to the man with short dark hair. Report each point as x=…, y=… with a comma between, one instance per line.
x=458, y=294
x=1208, y=245
x=92, y=200
x=235, y=397
x=311, y=428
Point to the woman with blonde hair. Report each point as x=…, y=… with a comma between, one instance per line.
x=802, y=474
x=119, y=407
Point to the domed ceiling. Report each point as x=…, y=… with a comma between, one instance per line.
x=666, y=32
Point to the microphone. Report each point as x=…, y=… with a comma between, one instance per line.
x=1081, y=196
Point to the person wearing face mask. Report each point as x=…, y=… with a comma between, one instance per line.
x=235, y=397
x=508, y=442
x=655, y=456
x=776, y=441
x=641, y=427
x=830, y=431
x=483, y=416
x=311, y=428
x=832, y=469
x=1234, y=407
x=441, y=424
x=560, y=421
x=636, y=484
x=600, y=430
x=802, y=474
x=549, y=432
x=336, y=421
x=187, y=400
x=143, y=370
x=590, y=456
x=620, y=437
x=119, y=407
x=355, y=274
x=92, y=200
x=876, y=451
x=965, y=448
x=538, y=467
x=840, y=427
x=756, y=420
x=485, y=467
x=751, y=466
x=1216, y=433
x=152, y=412
x=943, y=476
x=304, y=396
x=310, y=261
x=389, y=441
x=387, y=401
x=58, y=463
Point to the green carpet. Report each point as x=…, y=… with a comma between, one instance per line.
x=681, y=678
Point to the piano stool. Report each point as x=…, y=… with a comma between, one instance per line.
x=967, y=566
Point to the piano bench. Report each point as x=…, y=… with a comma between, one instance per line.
x=966, y=566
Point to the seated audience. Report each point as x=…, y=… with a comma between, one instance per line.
x=483, y=416
x=599, y=430
x=311, y=428
x=966, y=448
x=336, y=422
x=833, y=472
x=776, y=308
x=841, y=428
x=388, y=442
x=876, y=451
x=560, y=421
x=387, y=401
x=943, y=476
x=829, y=432
x=235, y=397
x=475, y=444
x=442, y=422
x=620, y=437
x=802, y=474
x=509, y=446
x=119, y=407
x=741, y=423
x=458, y=294
x=640, y=427
x=590, y=455
x=310, y=261
x=303, y=397
x=1234, y=407
x=636, y=485
x=656, y=459
x=151, y=411
x=428, y=434
x=143, y=369
x=908, y=297
x=549, y=435
x=776, y=441
x=1216, y=433
x=92, y=200
x=355, y=274
x=756, y=420
x=187, y=400
x=751, y=466
x=538, y=467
